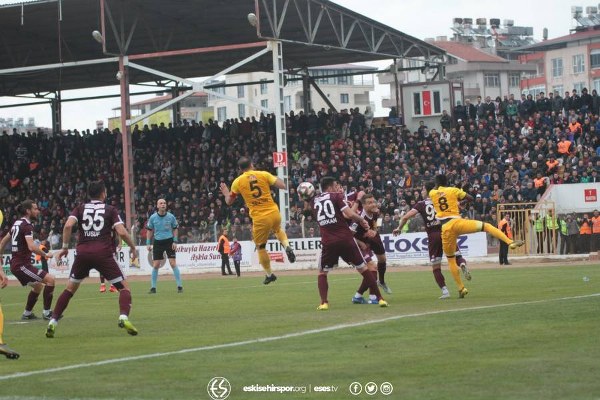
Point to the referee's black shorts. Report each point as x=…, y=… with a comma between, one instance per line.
x=162, y=246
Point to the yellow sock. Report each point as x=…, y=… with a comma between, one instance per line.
x=264, y=260
x=497, y=233
x=455, y=272
x=1, y=325
x=282, y=237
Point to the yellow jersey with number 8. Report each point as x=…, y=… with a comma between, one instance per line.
x=255, y=188
x=445, y=201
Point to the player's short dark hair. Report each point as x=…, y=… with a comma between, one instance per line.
x=95, y=189
x=327, y=182
x=24, y=206
x=429, y=185
x=244, y=163
x=366, y=197
x=441, y=180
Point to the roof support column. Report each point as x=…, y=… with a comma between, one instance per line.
x=128, y=182
x=56, y=109
x=280, y=134
x=176, y=106
x=306, y=95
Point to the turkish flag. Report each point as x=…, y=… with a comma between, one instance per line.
x=426, y=98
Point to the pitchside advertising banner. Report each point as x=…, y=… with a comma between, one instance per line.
x=405, y=250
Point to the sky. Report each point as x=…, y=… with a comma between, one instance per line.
x=418, y=18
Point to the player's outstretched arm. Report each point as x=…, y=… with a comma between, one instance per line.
x=279, y=184
x=405, y=218
x=67, y=231
x=349, y=214
x=229, y=197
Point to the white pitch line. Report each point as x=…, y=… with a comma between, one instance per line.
x=286, y=336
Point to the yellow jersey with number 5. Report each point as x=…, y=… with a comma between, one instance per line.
x=445, y=201
x=255, y=188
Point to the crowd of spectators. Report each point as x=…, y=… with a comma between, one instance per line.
x=502, y=156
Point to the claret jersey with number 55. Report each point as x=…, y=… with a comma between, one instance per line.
x=96, y=222
x=445, y=201
x=255, y=188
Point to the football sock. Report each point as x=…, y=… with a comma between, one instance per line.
x=460, y=259
x=177, y=275
x=101, y=279
x=265, y=261
x=323, y=287
x=48, y=294
x=357, y=295
x=373, y=288
x=374, y=274
x=372, y=297
x=381, y=268
x=61, y=304
x=124, y=302
x=31, y=300
x=439, y=277
x=497, y=233
x=455, y=272
x=1, y=325
x=154, y=277
x=363, y=287
x=282, y=237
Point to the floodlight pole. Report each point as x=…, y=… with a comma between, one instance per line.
x=128, y=182
x=284, y=197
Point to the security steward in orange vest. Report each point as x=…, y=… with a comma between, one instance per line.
x=585, y=234
x=504, y=226
x=223, y=248
x=540, y=183
x=564, y=146
x=595, y=242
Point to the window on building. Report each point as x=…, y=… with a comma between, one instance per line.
x=514, y=79
x=344, y=98
x=579, y=87
x=264, y=103
x=342, y=80
x=578, y=64
x=491, y=80
x=287, y=103
x=558, y=88
x=595, y=59
x=426, y=103
x=596, y=85
x=535, y=90
x=557, y=67
x=242, y=110
x=263, y=86
x=221, y=114
x=240, y=90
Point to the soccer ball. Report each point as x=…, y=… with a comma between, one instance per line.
x=306, y=191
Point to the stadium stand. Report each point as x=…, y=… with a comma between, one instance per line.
x=508, y=158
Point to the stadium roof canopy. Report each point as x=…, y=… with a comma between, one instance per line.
x=47, y=45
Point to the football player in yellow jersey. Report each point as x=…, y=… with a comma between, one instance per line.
x=255, y=188
x=445, y=201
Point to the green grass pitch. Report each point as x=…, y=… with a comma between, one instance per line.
x=521, y=333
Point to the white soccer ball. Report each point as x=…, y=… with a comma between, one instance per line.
x=306, y=190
